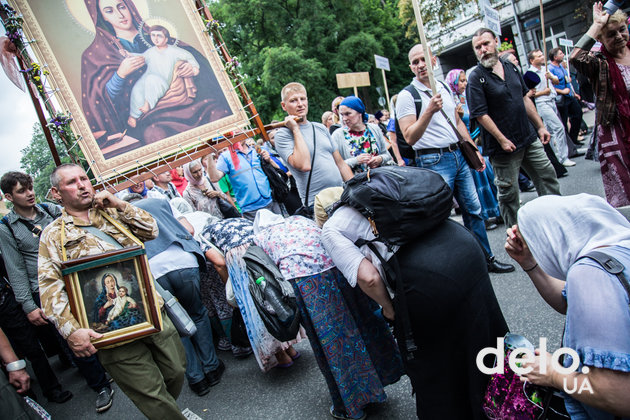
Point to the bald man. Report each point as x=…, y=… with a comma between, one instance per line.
x=430, y=131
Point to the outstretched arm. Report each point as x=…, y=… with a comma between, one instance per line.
x=370, y=282
x=533, y=116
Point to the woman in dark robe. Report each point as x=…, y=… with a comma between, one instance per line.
x=105, y=302
x=452, y=310
x=110, y=67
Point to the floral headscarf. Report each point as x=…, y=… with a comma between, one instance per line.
x=452, y=80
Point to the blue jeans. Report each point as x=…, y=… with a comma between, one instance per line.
x=456, y=173
x=201, y=357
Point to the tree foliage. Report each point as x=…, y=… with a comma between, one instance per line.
x=38, y=162
x=436, y=15
x=281, y=41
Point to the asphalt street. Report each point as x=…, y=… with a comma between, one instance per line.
x=300, y=391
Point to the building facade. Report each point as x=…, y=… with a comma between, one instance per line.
x=524, y=33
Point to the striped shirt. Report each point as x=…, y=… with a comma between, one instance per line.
x=20, y=253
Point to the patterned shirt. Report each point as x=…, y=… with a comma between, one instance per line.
x=81, y=243
x=19, y=249
x=201, y=202
x=169, y=193
x=296, y=247
x=228, y=233
x=595, y=68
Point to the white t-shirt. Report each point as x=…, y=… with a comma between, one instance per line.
x=171, y=259
x=339, y=234
x=439, y=132
x=544, y=84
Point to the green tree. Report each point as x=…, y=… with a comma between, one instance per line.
x=436, y=15
x=38, y=162
x=278, y=42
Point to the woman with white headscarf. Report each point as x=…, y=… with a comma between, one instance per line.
x=552, y=236
x=200, y=193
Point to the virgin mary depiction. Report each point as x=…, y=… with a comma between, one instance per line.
x=110, y=68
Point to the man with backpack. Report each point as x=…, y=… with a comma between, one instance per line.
x=428, y=122
x=20, y=232
x=497, y=98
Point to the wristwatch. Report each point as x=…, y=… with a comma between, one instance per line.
x=17, y=365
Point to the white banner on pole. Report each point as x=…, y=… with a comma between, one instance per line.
x=381, y=62
x=492, y=19
x=565, y=42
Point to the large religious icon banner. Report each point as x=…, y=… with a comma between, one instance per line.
x=141, y=78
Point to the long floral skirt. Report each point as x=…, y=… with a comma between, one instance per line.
x=352, y=343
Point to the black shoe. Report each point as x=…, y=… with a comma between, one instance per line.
x=497, y=220
x=241, y=352
x=529, y=187
x=104, y=399
x=200, y=388
x=58, y=396
x=495, y=266
x=214, y=377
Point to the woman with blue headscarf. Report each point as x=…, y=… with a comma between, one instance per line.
x=360, y=144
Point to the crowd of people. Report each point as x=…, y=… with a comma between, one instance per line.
x=197, y=223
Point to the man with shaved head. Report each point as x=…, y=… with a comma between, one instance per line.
x=430, y=130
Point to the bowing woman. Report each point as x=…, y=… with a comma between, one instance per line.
x=110, y=67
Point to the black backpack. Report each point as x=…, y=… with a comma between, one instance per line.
x=401, y=202
x=259, y=264
x=278, y=181
x=404, y=148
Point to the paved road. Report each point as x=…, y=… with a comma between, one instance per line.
x=300, y=392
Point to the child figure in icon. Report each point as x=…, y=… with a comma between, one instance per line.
x=121, y=303
x=156, y=80
x=113, y=308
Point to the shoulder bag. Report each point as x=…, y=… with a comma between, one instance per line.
x=305, y=210
x=469, y=151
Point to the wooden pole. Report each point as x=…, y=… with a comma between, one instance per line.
x=355, y=91
x=544, y=40
x=386, y=91
x=425, y=46
x=241, y=88
x=40, y=113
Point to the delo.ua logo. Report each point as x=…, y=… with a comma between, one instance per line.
x=522, y=351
